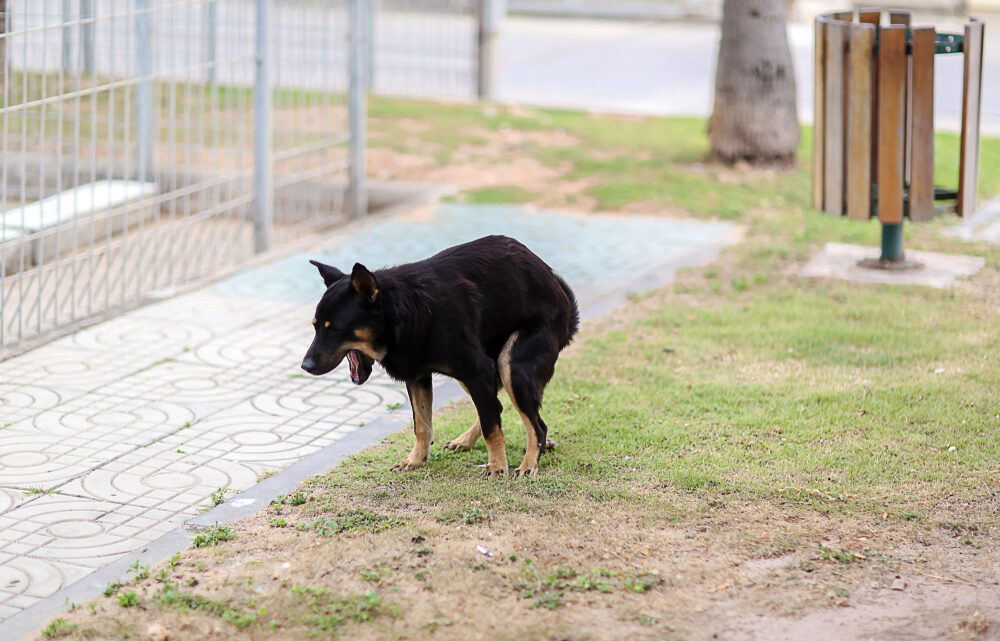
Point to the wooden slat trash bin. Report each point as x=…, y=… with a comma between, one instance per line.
x=873, y=135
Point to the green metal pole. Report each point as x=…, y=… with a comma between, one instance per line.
x=892, y=242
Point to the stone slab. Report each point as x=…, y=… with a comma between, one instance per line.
x=838, y=260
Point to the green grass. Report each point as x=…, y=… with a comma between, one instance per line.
x=789, y=395
x=499, y=194
x=212, y=536
x=634, y=159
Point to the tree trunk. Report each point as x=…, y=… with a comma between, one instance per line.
x=754, y=118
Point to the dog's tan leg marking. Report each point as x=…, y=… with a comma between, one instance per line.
x=469, y=437
x=496, y=463
x=422, y=399
x=529, y=464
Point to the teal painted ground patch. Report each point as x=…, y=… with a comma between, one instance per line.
x=596, y=254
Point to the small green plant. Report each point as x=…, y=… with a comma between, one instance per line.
x=161, y=576
x=373, y=575
x=475, y=515
x=141, y=571
x=393, y=406
x=298, y=498
x=219, y=496
x=423, y=551
x=128, y=599
x=213, y=536
x=58, y=628
x=112, y=588
x=174, y=560
x=277, y=521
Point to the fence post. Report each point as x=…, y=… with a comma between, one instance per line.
x=144, y=88
x=491, y=12
x=67, y=37
x=87, y=34
x=357, y=191
x=211, y=35
x=263, y=180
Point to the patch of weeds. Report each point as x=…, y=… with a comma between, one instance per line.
x=358, y=520
x=213, y=536
x=548, y=592
x=475, y=515
x=170, y=596
x=373, y=575
x=546, y=487
x=112, y=588
x=550, y=600
x=593, y=580
x=35, y=491
x=128, y=599
x=162, y=575
x=59, y=628
x=298, y=498
x=640, y=582
x=278, y=521
x=843, y=556
x=174, y=561
x=328, y=612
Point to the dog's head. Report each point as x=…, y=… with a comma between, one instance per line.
x=348, y=323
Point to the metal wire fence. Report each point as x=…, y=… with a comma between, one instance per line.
x=147, y=144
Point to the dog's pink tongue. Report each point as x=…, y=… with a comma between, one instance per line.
x=353, y=360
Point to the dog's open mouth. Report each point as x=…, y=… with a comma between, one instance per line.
x=361, y=366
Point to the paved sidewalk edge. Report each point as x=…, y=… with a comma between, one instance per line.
x=257, y=497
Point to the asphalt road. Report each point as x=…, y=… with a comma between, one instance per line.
x=669, y=68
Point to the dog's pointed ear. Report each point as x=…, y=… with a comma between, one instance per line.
x=329, y=273
x=363, y=282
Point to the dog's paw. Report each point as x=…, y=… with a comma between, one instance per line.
x=494, y=471
x=526, y=472
x=408, y=464
x=457, y=445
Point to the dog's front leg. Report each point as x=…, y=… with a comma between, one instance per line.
x=422, y=400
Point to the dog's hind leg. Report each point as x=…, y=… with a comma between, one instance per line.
x=421, y=394
x=526, y=364
x=482, y=389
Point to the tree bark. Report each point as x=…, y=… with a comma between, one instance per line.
x=754, y=118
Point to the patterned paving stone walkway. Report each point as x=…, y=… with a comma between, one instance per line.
x=118, y=434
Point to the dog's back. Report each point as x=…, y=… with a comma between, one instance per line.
x=494, y=282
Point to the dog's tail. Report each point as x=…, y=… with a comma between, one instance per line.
x=573, y=322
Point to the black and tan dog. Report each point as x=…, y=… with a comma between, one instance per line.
x=487, y=313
